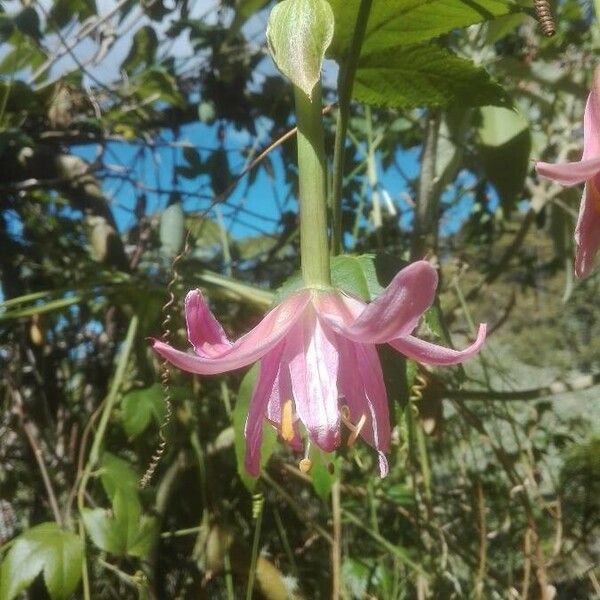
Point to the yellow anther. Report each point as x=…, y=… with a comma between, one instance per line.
x=305, y=465
x=287, y=421
x=356, y=431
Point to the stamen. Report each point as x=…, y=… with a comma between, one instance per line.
x=305, y=465
x=356, y=431
x=345, y=416
x=287, y=421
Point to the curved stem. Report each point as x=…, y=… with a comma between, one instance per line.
x=94, y=455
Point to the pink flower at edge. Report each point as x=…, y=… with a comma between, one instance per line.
x=318, y=361
x=587, y=231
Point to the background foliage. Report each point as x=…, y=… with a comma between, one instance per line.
x=124, y=124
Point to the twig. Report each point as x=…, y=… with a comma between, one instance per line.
x=32, y=434
x=480, y=581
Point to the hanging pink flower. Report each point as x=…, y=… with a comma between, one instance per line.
x=318, y=361
x=587, y=231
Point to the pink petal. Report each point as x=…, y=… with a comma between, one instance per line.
x=249, y=348
x=269, y=368
x=432, y=354
x=280, y=393
x=569, y=173
x=397, y=311
x=313, y=364
x=587, y=232
x=204, y=331
x=361, y=384
x=591, y=125
x=589, y=165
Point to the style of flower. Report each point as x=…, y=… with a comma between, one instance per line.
x=318, y=361
x=587, y=231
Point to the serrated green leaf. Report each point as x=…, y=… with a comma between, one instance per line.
x=298, y=33
x=404, y=22
x=424, y=75
x=115, y=474
x=140, y=407
x=46, y=548
x=240, y=413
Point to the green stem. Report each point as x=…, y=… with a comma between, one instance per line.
x=94, y=454
x=259, y=506
x=314, y=248
x=336, y=547
x=345, y=82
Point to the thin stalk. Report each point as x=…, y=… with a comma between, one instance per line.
x=425, y=228
x=258, y=507
x=336, y=547
x=94, y=454
x=372, y=177
x=345, y=83
x=228, y=577
x=314, y=248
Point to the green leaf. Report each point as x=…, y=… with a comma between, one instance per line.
x=46, y=548
x=500, y=125
x=143, y=49
x=424, y=75
x=115, y=474
x=505, y=146
x=402, y=22
x=156, y=83
x=100, y=526
x=298, y=33
x=356, y=276
x=28, y=21
x=324, y=472
x=140, y=407
x=63, y=11
x=124, y=530
x=146, y=537
x=240, y=413
x=246, y=8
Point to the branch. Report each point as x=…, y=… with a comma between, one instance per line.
x=32, y=434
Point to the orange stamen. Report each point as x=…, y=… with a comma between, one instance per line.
x=287, y=421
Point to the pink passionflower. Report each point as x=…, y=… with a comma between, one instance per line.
x=587, y=231
x=318, y=361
